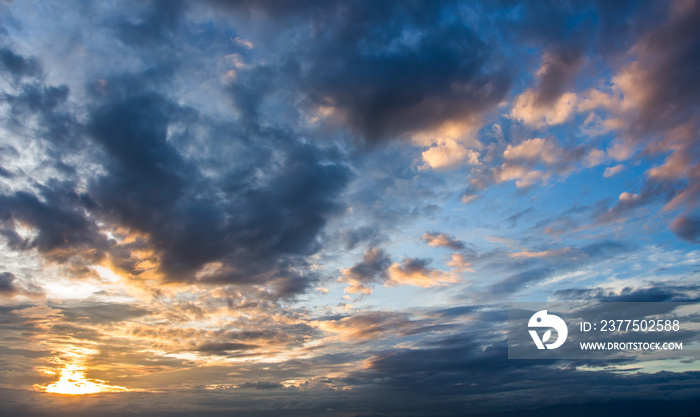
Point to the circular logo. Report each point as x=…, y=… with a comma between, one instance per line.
x=543, y=320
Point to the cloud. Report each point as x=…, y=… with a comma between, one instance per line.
x=652, y=108
x=265, y=385
x=365, y=326
x=653, y=100
x=656, y=293
x=376, y=267
x=416, y=272
x=155, y=191
x=7, y=280
x=538, y=160
x=224, y=348
x=536, y=149
x=17, y=65
x=420, y=72
x=540, y=254
x=449, y=154
x=611, y=171
x=526, y=109
x=524, y=176
x=372, y=269
x=530, y=268
x=442, y=240
x=460, y=263
x=549, y=103
x=520, y=280
x=595, y=157
x=39, y=111
x=650, y=83
x=627, y=201
x=153, y=188
x=62, y=229
x=156, y=26
x=687, y=228
x=556, y=72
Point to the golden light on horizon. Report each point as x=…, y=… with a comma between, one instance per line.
x=73, y=382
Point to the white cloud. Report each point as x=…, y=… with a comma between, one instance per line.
x=595, y=157
x=449, y=154
x=610, y=171
x=529, y=112
x=524, y=176
x=534, y=149
x=628, y=197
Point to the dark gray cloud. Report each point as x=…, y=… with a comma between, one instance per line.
x=60, y=221
x=101, y=313
x=7, y=280
x=261, y=385
x=477, y=375
x=40, y=110
x=17, y=65
x=658, y=292
x=415, y=265
x=224, y=348
x=559, y=66
x=387, y=69
x=372, y=269
x=392, y=68
x=253, y=224
x=156, y=23
x=414, y=88
x=232, y=402
x=687, y=228
x=257, y=226
x=668, y=58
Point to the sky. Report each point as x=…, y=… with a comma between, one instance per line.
x=322, y=208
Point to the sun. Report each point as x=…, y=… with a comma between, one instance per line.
x=73, y=382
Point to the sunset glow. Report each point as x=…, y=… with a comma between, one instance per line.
x=72, y=381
